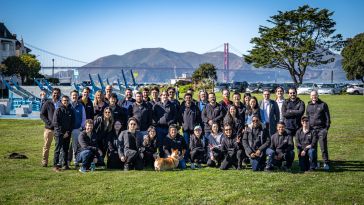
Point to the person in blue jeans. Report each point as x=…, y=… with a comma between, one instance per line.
x=306, y=142
x=256, y=140
x=87, y=151
x=280, y=150
x=175, y=141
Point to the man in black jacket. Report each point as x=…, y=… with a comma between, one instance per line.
x=189, y=117
x=281, y=149
x=164, y=113
x=319, y=118
x=142, y=112
x=63, y=125
x=118, y=113
x=213, y=112
x=306, y=142
x=292, y=111
x=87, y=149
x=46, y=114
x=225, y=102
x=86, y=102
x=255, y=141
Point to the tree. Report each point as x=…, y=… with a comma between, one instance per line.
x=26, y=66
x=299, y=39
x=353, y=58
x=204, y=72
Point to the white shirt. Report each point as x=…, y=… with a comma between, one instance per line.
x=266, y=109
x=280, y=103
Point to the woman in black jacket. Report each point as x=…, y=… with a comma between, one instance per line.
x=149, y=148
x=103, y=126
x=113, y=160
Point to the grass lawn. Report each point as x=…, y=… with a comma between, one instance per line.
x=26, y=182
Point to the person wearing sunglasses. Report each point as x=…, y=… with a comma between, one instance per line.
x=293, y=109
x=230, y=148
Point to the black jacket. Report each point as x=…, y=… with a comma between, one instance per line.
x=255, y=139
x=119, y=114
x=63, y=120
x=177, y=143
x=214, y=113
x=149, y=146
x=89, y=108
x=87, y=143
x=101, y=131
x=237, y=124
x=200, y=144
x=281, y=144
x=225, y=107
x=318, y=114
x=46, y=114
x=189, y=117
x=305, y=139
x=292, y=112
x=143, y=114
x=229, y=146
x=241, y=109
x=112, y=143
x=129, y=141
x=164, y=114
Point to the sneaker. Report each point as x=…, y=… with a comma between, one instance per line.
x=193, y=166
x=199, y=165
x=82, y=170
x=326, y=167
x=92, y=167
x=126, y=167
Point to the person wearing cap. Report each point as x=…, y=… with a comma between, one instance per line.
x=230, y=148
x=189, y=117
x=319, y=118
x=255, y=141
x=198, y=147
x=174, y=141
x=293, y=109
x=280, y=150
x=306, y=142
x=215, y=156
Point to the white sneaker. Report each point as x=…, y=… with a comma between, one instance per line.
x=326, y=167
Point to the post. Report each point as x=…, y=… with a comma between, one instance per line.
x=53, y=68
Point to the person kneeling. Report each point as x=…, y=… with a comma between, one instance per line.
x=215, y=156
x=87, y=151
x=130, y=143
x=198, y=147
x=175, y=141
x=230, y=149
x=306, y=142
x=255, y=141
x=280, y=150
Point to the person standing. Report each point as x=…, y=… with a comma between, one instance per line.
x=319, y=118
x=78, y=124
x=118, y=113
x=127, y=102
x=108, y=92
x=292, y=111
x=99, y=104
x=271, y=112
x=46, y=114
x=142, y=112
x=63, y=121
x=225, y=102
x=280, y=100
x=212, y=113
x=87, y=104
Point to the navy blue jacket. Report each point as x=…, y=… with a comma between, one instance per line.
x=164, y=114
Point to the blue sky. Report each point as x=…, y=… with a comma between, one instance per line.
x=87, y=30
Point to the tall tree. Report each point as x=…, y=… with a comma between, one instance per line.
x=297, y=40
x=204, y=72
x=353, y=58
x=32, y=67
x=26, y=67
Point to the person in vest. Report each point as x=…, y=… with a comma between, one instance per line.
x=256, y=140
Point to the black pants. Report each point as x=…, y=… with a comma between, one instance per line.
x=148, y=159
x=218, y=155
x=113, y=161
x=62, y=144
x=133, y=159
x=198, y=156
x=322, y=139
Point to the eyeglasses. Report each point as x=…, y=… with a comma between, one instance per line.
x=255, y=120
x=292, y=93
x=228, y=129
x=304, y=121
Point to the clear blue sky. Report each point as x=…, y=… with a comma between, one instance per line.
x=87, y=30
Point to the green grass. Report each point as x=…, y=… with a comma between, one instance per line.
x=26, y=182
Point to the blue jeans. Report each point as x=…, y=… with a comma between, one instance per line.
x=186, y=136
x=258, y=163
x=85, y=157
x=309, y=161
x=288, y=157
x=182, y=164
x=162, y=132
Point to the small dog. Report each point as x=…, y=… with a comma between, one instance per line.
x=171, y=162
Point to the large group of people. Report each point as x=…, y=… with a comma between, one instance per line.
x=130, y=133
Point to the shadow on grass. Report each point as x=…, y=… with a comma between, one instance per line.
x=347, y=166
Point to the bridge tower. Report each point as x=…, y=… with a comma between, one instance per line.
x=226, y=62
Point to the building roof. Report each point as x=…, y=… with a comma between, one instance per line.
x=5, y=33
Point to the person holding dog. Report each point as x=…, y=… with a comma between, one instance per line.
x=175, y=141
x=256, y=140
x=129, y=146
x=198, y=147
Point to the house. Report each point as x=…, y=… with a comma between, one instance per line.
x=9, y=44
